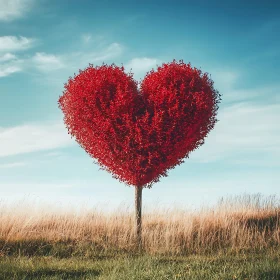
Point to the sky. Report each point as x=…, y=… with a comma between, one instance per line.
x=44, y=42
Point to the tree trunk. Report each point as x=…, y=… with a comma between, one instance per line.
x=138, y=212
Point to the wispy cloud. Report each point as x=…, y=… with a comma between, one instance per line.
x=83, y=58
x=244, y=130
x=6, y=70
x=13, y=164
x=33, y=137
x=224, y=80
x=14, y=43
x=54, y=66
x=86, y=38
x=9, y=64
x=47, y=62
x=92, y=39
x=112, y=51
x=13, y=9
x=75, y=60
x=241, y=95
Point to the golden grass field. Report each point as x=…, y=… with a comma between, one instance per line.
x=234, y=224
x=238, y=238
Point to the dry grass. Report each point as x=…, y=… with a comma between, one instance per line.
x=234, y=224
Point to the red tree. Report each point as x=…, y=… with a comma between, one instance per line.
x=139, y=135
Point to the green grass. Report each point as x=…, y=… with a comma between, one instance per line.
x=118, y=266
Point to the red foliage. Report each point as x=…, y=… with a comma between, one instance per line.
x=139, y=135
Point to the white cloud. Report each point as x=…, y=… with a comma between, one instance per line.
x=224, y=80
x=140, y=66
x=9, y=64
x=233, y=95
x=14, y=43
x=31, y=138
x=47, y=62
x=7, y=57
x=12, y=9
x=243, y=131
x=12, y=165
x=8, y=70
x=112, y=51
x=94, y=39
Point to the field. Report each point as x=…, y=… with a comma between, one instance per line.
x=238, y=238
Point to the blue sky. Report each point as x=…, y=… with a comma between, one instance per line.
x=43, y=42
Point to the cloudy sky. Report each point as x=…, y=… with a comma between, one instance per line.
x=43, y=42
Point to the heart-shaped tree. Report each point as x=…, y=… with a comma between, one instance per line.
x=139, y=135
